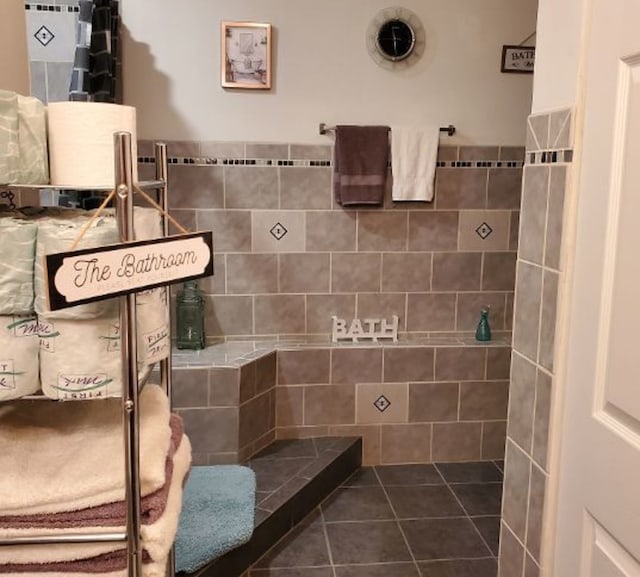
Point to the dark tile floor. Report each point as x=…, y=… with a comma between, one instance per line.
x=398, y=521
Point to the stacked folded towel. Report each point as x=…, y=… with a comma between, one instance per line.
x=65, y=475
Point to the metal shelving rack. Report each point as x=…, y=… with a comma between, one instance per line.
x=124, y=188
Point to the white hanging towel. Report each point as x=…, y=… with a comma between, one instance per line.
x=414, y=153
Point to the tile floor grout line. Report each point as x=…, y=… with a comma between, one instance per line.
x=397, y=520
x=484, y=541
x=326, y=539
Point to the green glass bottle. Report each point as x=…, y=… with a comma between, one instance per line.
x=483, y=332
x=190, y=317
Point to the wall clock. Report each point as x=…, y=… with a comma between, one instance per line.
x=395, y=38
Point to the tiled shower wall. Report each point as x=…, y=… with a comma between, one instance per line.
x=540, y=270
x=287, y=258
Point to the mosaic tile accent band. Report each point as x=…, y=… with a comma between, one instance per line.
x=52, y=8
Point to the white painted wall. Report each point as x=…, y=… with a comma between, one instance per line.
x=14, y=60
x=323, y=72
x=560, y=30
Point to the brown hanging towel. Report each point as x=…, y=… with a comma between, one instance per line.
x=361, y=158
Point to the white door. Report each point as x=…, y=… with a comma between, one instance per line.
x=598, y=531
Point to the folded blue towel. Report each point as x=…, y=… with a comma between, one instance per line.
x=217, y=514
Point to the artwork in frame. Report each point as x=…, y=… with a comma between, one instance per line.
x=246, y=55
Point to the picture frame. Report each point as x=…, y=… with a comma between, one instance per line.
x=518, y=59
x=245, y=55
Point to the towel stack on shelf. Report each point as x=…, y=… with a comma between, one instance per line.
x=78, y=348
x=63, y=474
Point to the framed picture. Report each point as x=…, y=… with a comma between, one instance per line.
x=518, y=59
x=246, y=55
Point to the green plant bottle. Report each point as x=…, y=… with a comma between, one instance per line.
x=190, y=317
x=483, y=332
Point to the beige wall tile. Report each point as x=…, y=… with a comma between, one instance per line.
x=406, y=272
x=484, y=400
x=378, y=231
x=279, y=314
x=331, y=231
x=527, y=310
x=433, y=402
x=228, y=315
x=267, y=150
x=457, y=188
x=531, y=142
x=548, y=319
x=195, y=186
x=505, y=187
x=382, y=306
x=555, y=213
x=498, y=363
x=190, y=387
x=224, y=386
x=289, y=410
x=541, y=421
x=405, y=364
x=329, y=405
x=304, y=272
x=266, y=373
x=303, y=366
x=447, y=153
x=560, y=129
x=370, y=440
x=494, y=435
x=254, y=187
x=278, y=231
x=540, y=126
x=479, y=153
x=355, y=272
x=222, y=149
x=382, y=403
x=257, y=417
x=320, y=309
x=469, y=307
x=247, y=382
x=252, y=273
x=460, y=363
x=405, y=444
x=516, y=490
x=431, y=312
x=217, y=283
x=211, y=430
x=511, y=555
x=301, y=432
x=521, y=401
x=533, y=214
x=454, y=271
x=433, y=230
x=484, y=230
x=531, y=569
x=537, y=495
x=305, y=187
x=185, y=217
x=231, y=229
x=514, y=230
x=456, y=441
x=356, y=365
x=310, y=152
x=499, y=271
x=512, y=153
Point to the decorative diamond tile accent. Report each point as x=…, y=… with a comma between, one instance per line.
x=44, y=35
x=382, y=403
x=278, y=231
x=484, y=231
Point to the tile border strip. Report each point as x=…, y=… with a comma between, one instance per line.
x=222, y=161
x=549, y=157
x=52, y=8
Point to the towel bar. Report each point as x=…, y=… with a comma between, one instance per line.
x=324, y=128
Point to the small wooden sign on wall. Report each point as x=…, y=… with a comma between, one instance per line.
x=518, y=59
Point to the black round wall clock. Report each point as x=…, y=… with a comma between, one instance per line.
x=395, y=38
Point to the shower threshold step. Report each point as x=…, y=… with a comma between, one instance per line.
x=292, y=478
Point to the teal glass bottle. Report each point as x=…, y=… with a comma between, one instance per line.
x=190, y=317
x=483, y=332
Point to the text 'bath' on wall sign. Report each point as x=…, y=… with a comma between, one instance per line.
x=518, y=59
x=93, y=274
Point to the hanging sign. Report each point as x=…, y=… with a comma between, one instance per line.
x=367, y=329
x=518, y=59
x=93, y=274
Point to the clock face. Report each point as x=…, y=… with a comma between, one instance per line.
x=396, y=39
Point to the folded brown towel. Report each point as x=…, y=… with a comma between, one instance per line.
x=361, y=157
